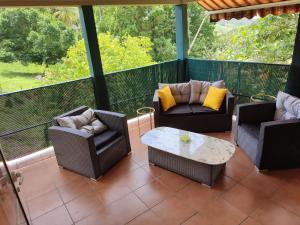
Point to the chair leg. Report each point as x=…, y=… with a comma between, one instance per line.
x=261, y=171
x=95, y=180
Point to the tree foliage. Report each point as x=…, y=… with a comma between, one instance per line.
x=117, y=54
x=269, y=39
x=33, y=35
x=157, y=23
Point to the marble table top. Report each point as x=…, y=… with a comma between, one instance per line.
x=201, y=148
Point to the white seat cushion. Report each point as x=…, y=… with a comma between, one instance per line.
x=287, y=107
x=87, y=122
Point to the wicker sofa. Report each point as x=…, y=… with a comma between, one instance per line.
x=85, y=153
x=195, y=117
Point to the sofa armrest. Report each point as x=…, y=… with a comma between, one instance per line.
x=255, y=112
x=156, y=102
x=115, y=121
x=156, y=106
x=279, y=145
x=229, y=103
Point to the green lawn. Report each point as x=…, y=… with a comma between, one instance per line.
x=15, y=76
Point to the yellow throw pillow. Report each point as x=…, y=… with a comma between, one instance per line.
x=214, y=98
x=166, y=98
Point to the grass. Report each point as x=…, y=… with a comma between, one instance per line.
x=16, y=76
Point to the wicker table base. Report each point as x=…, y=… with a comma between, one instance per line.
x=200, y=172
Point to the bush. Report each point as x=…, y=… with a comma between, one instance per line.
x=117, y=54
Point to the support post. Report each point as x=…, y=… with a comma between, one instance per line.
x=89, y=32
x=182, y=41
x=293, y=82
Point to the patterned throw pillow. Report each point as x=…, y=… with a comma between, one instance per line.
x=287, y=107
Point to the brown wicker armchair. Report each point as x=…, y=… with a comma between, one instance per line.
x=85, y=153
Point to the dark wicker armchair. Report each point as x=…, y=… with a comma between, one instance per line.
x=269, y=144
x=85, y=153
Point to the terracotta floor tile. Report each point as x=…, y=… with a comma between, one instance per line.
x=84, y=206
x=136, y=178
x=196, y=195
x=198, y=219
x=282, y=177
x=125, y=209
x=223, y=183
x=174, y=181
x=273, y=214
x=288, y=200
x=153, y=193
x=292, y=187
x=44, y=203
x=36, y=181
x=140, y=157
x=154, y=171
x=148, y=218
x=99, y=217
x=236, y=170
x=123, y=167
x=243, y=198
x=58, y=216
x=242, y=158
x=260, y=183
x=218, y=211
x=110, y=192
x=74, y=189
x=250, y=221
x=127, y=164
x=173, y=211
x=64, y=176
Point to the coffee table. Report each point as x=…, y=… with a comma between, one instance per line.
x=202, y=159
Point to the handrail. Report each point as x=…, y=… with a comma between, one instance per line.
x=45, y=86
x=8, y=133
x=233, y=61
x=85, y=78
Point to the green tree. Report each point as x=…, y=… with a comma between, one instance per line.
x=204, y=46
x=33, y=35
x=269, y=39
x=155, y=22
x=117, y=54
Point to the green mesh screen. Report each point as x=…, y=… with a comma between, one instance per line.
x=132, y=89
x=26, y=115
x=243, y=79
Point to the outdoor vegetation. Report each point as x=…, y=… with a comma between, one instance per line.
x=45, y=46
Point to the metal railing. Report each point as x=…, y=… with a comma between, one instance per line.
x=26, y=115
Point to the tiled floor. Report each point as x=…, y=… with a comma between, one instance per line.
x=138, y=194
